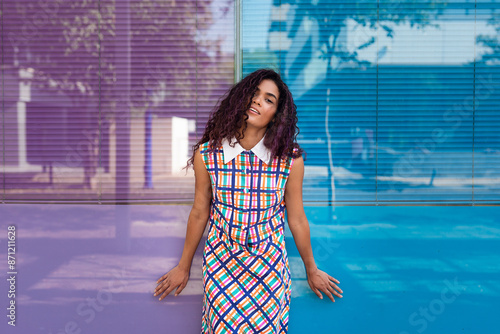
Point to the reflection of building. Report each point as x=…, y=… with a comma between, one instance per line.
x=296, y=39
x=391, y=87
x=16, y=99
x=37, y=121
x=47, y=139
x=44, y=129
x=169, y=144
x=94, y=124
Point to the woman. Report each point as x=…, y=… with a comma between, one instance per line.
x=248, y=169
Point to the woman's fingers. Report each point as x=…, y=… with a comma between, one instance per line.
x=161, y=285
x=172, y=280
x=336, y=287
x=332, y=290
x=325, y=284
x=167, y=291
x=179, y=289
x=333, y=279
x=165, y=280
x=160, y=289
x=162, y=278
x=316, y=291
x=329, y=294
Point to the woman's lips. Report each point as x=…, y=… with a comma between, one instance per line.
x=254, y=111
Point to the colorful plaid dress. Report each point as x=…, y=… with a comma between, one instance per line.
x=246, y=277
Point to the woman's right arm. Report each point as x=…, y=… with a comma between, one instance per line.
x=198, y=217
x=178, y=276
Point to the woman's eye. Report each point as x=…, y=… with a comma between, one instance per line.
x=269, y=101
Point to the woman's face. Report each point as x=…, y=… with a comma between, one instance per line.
x=264, y=104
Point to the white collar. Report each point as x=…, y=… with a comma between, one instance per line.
x=260, y=150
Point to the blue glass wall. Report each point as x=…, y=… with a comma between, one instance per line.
x=398, y=105
x=397, y=101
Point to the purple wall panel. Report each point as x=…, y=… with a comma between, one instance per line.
x=63, y=73
x=92, y=268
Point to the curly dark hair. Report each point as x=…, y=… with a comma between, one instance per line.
x=228, y=117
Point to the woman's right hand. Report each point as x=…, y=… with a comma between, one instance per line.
x=176, y=278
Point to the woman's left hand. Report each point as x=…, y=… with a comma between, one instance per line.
x=320, y=281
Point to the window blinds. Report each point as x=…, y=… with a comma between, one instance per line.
x=102, y=100
x=398, y=102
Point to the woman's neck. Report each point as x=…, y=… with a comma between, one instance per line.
x=252, y=137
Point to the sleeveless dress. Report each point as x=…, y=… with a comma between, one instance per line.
x=246, y=277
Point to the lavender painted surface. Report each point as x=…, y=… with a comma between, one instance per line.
x=76, y=265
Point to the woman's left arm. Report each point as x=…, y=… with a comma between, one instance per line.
x=299, y=226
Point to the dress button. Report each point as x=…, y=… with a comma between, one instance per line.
x=248, y=170
x=246, y=190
